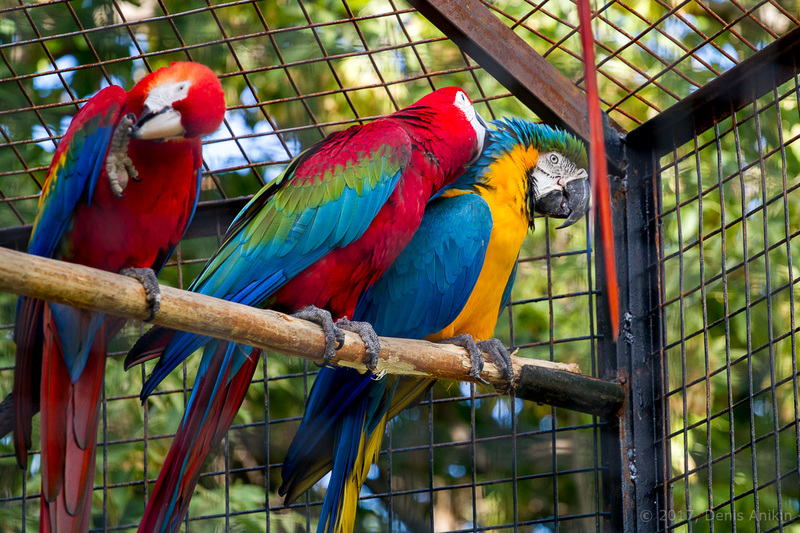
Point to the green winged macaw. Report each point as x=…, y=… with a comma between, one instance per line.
x=118, y=195
x=313, y=239
x=451, y=281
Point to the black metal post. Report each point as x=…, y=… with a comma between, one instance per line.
x=628, y=447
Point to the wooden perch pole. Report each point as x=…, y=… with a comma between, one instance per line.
x=97, y=290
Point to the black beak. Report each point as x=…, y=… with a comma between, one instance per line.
x=571, y=203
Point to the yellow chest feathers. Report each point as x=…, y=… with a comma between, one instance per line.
x=505, y=192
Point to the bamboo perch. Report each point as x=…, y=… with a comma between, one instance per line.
x=97, y=290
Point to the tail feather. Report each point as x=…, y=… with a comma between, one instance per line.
x=149, y=346
x=23, y=402
x=54, y=518
x=8, y=417
x=336, y=393
x=341, y=432
x=358, y=445
x=56, y=385
x=86, y=395
x=69, y=433
x=409, y=391
x=356, y=450
x=217, y=397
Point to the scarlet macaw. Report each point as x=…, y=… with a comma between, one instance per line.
x=118, y=195
x=312, y=239
x=444, y=284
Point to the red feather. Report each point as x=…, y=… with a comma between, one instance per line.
x=598, y=173
x=197, y=435
x=27, y=369
x=69, y=430
x=82, y=221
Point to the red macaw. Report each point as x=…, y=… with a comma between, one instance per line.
x=318, y=235
x=448, y=282
x=119, y=193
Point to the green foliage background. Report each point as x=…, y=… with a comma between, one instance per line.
x=553, y=315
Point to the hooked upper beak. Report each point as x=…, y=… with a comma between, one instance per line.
x=571, y=203
x=164, y=123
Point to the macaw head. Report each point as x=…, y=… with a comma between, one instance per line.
x=449, y=125
x=183, y=100
x=551, y=162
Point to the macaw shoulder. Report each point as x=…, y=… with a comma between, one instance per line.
x=378, y=148
x=101, y=112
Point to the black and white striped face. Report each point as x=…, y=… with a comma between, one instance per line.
x=559, y=188
x=553, y=171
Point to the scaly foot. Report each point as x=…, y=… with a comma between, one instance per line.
x=501, y=357
x=147, y=278
x=371, y=343
x=475, y=356
x=119, y=166
x=334, y=337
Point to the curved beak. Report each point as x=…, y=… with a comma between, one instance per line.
x=571, y=203
x=164, y=123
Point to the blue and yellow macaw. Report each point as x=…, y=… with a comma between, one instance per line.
x=447, y=283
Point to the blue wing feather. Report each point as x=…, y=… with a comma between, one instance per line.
x=71, y=178
x=507, y=291
x=287, y=227
x=76, y=167
x=428, y=284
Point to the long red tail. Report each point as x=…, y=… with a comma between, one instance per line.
x=69, y=432
x=597, y=164
x=204, y=425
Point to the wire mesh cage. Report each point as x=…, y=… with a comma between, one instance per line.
x=728, y=225
x=465, y=459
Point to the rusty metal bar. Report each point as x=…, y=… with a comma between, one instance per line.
x=715, y=101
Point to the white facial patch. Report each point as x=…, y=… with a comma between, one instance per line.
x=553, y=171
x=166, y=122
x=166, y=94
x=463, y=103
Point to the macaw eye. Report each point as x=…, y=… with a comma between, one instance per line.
x=554, y=159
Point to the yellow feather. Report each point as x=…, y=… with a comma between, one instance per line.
x=505, y=193
x=368, y=452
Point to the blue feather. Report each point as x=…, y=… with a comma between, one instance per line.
x=248, y=268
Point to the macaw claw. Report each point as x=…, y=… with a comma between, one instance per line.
x=148, y=279
x=475, y=356
x=334, y=336
x=372, y=344
x=119, y=166
x=501, y=357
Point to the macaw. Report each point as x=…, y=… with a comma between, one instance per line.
x=446, y=283
x=120, y=192
x=309, y=242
